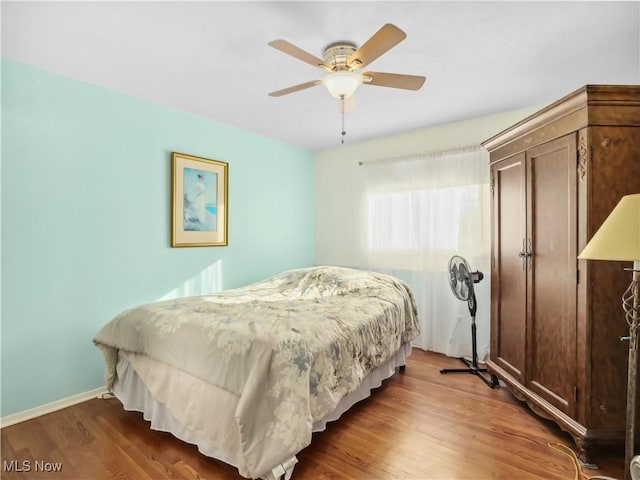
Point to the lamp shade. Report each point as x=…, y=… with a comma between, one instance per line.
x=342, y=84
x=619, y=236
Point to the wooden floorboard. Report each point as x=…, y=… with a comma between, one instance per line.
x=418, y=425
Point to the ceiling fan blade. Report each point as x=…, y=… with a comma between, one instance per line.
x=394, y=80
x=383, y=40
x=291, y=49
x=295, y=88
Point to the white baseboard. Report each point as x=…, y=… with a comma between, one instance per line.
x=51, y=407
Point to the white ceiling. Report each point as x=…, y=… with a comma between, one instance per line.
x=212, y=58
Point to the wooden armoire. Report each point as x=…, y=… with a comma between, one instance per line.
x=556, y=321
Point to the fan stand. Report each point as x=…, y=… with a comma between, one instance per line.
x=472, y=366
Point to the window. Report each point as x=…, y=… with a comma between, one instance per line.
x=428, y=219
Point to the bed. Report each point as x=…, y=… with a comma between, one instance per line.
x=249, y=374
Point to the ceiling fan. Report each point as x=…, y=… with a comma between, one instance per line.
x=343, y=60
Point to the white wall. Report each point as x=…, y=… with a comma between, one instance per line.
x=339, y=178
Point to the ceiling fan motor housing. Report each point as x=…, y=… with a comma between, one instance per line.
x=337, y=54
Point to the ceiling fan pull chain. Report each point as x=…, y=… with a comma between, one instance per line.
x=343, y=133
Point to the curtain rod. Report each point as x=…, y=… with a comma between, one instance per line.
x=435, y=153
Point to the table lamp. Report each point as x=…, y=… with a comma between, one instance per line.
x=619, y=239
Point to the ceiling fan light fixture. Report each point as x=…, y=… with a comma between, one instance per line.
x=342, y=85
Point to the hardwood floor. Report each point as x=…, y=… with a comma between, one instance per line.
x=418, y=425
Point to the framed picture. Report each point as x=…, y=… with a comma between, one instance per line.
x=200, y=201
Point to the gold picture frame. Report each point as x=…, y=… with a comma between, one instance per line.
x=200, y=201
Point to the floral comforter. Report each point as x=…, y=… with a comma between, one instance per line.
x=289, y=347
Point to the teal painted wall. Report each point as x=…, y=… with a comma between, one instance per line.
x=86, y=200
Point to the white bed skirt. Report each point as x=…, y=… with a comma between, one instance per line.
x=178, y=403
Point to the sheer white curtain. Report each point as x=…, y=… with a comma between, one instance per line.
x=418, y=212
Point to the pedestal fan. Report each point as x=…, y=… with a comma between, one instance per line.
x=461, y=280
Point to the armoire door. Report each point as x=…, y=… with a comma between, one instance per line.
x=508, y=275
x=552, y=272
